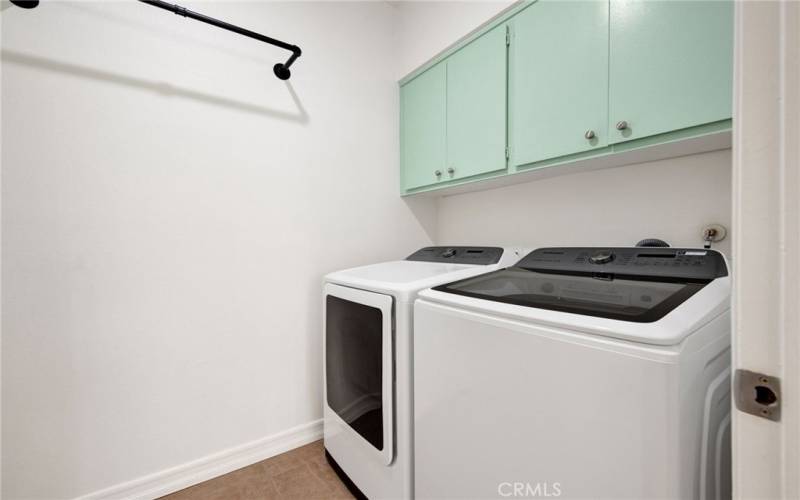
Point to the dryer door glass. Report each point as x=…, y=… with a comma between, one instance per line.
x=355, y=366
x=628, y=298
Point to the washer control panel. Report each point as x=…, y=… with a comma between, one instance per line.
x=683, y=263
x=458, y=255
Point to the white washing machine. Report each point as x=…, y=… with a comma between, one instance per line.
x=578, y=373
x=368, y=363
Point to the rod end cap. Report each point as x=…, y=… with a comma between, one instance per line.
x=281, y=71
x=26, y=4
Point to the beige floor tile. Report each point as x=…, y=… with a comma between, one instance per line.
x=301, y=483
x=309, y=451
x=209, y=490
x=323, y=471
x=281, y=463
x=302, y=473
x=258, y=490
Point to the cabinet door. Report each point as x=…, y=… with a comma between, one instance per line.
x=476, y=107
x=671, y=65
x=423, y=128
x=559, y=79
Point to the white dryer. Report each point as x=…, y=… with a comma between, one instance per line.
x=578, y=373
x=368, y=362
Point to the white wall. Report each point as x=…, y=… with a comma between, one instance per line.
x=671, y=199
x=426, y=28
x=168, y=209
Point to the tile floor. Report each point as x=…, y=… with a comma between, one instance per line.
x=299, y=473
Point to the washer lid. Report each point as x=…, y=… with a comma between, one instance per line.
x=629, y=298
x=639, y=285
x=698, y=310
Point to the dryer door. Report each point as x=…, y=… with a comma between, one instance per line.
x=359, y=365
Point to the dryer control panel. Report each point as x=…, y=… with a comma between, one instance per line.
x=458, y=255
x=680, y=263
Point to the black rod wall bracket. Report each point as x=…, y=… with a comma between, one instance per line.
x=281, y=70
x=25, y=4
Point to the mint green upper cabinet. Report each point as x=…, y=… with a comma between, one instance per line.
x=423, y=128
x=558, y=79
x=671, y=65
x=476, y=107
x=661, y=69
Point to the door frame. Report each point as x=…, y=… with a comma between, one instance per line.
x=766, y=240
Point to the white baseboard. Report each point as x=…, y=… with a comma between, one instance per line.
x=185, y=475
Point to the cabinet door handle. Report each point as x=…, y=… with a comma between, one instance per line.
x=451, y=170
x=438, y=173
x=589, y=134
x=622, y=125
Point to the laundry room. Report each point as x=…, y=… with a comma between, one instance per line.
x=400, y=249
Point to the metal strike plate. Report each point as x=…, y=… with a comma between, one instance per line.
x=758, y=394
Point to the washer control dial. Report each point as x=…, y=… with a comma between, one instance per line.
x=450, y=252
x=602, y=257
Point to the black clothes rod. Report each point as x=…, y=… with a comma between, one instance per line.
x=281, y=70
